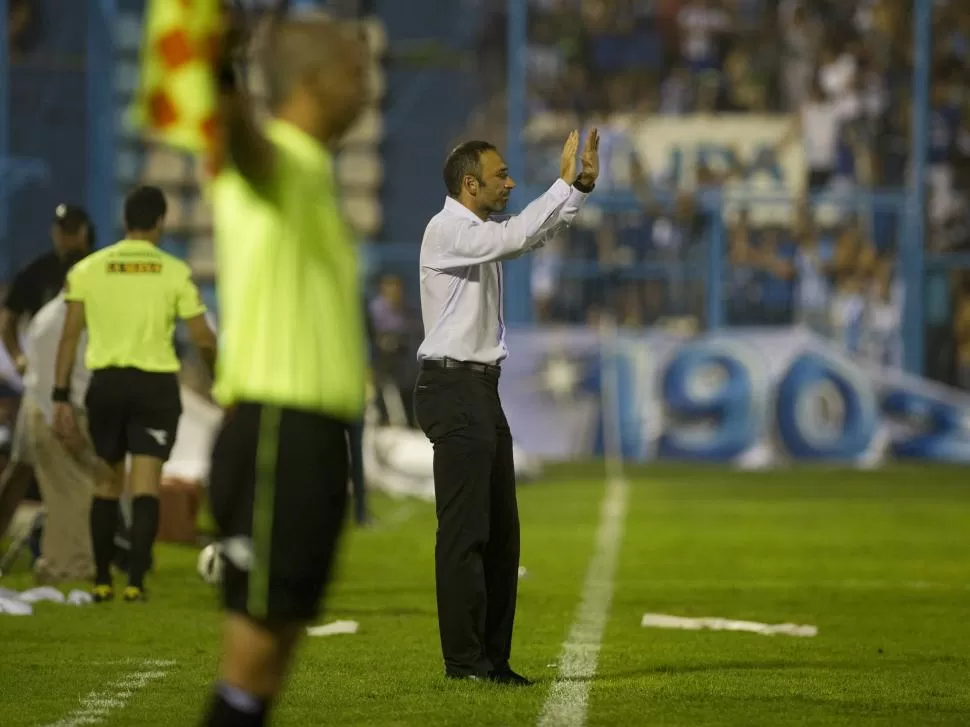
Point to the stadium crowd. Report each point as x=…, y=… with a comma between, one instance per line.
x=841, y=71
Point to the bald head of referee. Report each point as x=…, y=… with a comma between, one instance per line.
x=316, y=77
x=315, y=73
x=291, y=366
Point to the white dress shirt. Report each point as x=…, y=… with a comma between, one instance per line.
x=42, y=339
x=461, y=272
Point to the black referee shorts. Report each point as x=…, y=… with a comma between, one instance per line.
x=278, y=492
x=131, y=411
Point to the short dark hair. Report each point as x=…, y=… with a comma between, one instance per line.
x=144, y=208
x=464, y=159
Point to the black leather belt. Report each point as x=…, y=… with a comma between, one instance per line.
x=450, y=363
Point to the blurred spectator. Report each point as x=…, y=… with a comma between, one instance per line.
x=813, y=268
x=961, y=331
x=545, y=276
x=801, y=38
x=742, y=289
x=675, y=231
x=944, y=129
x=774, y=256
x=745, y=88
x=818, y=125
x=883, y=318
x=703, y=25
x=23, y=27
x=676, y=92
x=848, y=308
x=837, y=70
x=39, y=282
x=396, y=331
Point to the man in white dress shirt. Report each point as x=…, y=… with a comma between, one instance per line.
x=456, y=395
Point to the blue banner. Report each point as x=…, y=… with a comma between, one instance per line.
x=755, y=398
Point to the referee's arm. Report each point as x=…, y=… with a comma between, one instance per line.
x=192, y=310
x=242, y=144
x=204, y=339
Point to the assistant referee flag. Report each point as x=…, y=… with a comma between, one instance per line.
x=176, y=98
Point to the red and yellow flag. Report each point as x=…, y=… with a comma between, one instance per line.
x=176, y=98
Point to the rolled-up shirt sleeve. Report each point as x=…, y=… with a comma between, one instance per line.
x=460, y=242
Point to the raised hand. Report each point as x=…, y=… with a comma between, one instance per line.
x=591, y=158
x=567, y=162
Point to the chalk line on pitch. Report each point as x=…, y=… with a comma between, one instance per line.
x=97, y=706
x=567, y=703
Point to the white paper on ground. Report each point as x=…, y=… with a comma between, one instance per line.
x=15, y=607
x=43, y=593
x=334, y=628
x=21, y=604
x=665, y=621
x=79, y=598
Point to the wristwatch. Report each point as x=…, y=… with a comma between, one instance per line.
x=582, y=187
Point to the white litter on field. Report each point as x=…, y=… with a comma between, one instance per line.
x=665, y=621
x=17, y=603
x=334, y=628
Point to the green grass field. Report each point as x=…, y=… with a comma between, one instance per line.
x=879, y=561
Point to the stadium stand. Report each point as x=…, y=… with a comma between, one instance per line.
x=703, y=65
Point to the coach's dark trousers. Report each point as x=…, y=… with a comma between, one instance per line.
x=477, y=548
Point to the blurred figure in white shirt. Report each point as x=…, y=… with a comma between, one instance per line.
x=813, y=261
x=882, y=337
x=65, y=471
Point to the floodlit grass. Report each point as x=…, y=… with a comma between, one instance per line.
x=879, y=561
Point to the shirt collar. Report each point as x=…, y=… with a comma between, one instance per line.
x=455, y=207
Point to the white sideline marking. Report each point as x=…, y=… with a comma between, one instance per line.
x=96, y=706
x=566, y=704
x=665, y=621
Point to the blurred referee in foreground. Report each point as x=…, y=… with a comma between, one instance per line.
x=129, y=296
x=456, y=397
x=291, y=368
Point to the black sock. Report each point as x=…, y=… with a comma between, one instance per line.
x=144, y=526
x=232, y=707
x=104, y=523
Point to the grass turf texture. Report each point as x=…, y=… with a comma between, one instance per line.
x=879, y=561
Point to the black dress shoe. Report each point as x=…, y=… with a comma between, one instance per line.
x=509, y=678
x=463, y=677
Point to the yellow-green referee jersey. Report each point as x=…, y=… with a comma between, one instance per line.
x=132, y=294
x=291, y=324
